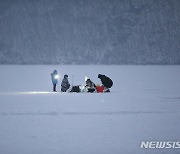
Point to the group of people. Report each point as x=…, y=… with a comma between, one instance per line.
x=88, y=87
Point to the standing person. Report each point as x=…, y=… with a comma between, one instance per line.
x=54, y=78
x=106, y=81
x=65, y=84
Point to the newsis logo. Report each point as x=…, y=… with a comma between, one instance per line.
x=160, y=145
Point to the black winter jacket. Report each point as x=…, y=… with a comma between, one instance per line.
x=106, y=81
x=65, y=85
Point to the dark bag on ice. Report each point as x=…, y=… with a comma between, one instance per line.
x=75, y=89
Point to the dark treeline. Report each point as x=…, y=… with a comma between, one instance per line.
x=89, y=32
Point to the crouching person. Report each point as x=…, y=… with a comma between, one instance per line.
x=65, y=85
x=106, y=81
x=54, y=78
x=90, y=86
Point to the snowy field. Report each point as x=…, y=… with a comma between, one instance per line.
x=144, y=105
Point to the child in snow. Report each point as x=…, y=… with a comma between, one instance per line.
x=54, y=78
x=106, y=81
x=65, y=84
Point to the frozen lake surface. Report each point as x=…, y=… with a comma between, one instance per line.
x=144, y=105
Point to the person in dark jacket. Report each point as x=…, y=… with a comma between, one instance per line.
x=54, y=78
x=90, y=85
x=106, y=81
x=65, y=84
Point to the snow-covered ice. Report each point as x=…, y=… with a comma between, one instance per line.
x=144, y=105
